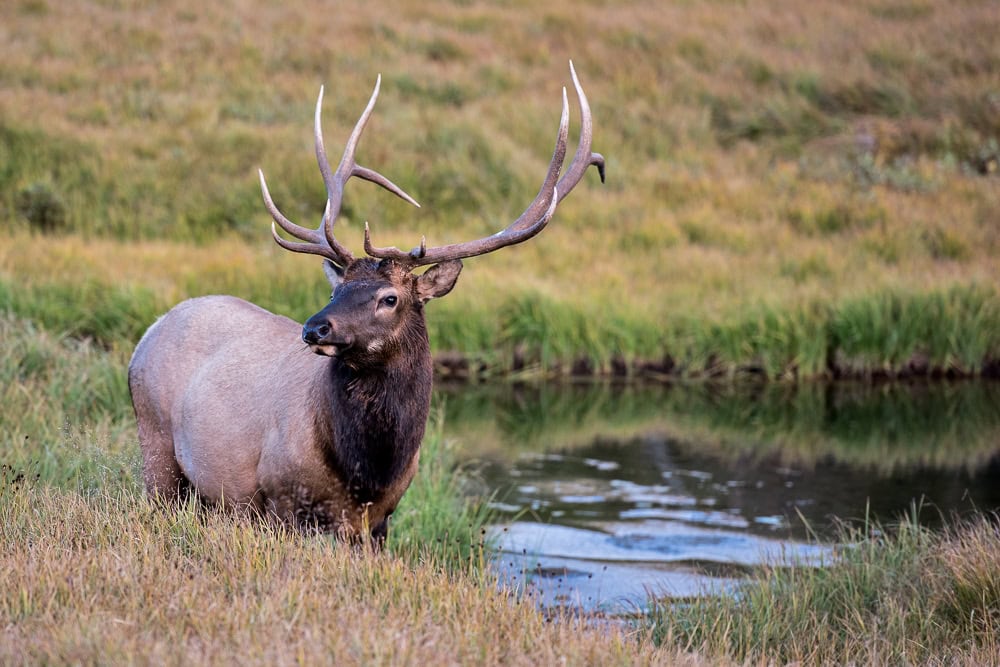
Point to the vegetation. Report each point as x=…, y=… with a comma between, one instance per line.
x=788, y=196
x=109, y=577
x=84, y=555
x=787, y=193
x=901, y=596
x=93, y=571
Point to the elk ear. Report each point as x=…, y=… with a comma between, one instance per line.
x=334, y=273
x=438, y=280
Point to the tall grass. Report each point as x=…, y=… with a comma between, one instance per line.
x=892, y=332
x=894, y=595
x=440, y=520
x=113, y=578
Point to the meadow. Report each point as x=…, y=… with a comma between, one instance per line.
x=94, y=572
x=795, y=190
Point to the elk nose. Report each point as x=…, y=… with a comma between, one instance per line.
x=316, y=333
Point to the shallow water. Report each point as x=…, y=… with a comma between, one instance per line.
x=608, y=494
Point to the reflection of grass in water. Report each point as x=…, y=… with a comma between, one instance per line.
x=953, y=425
x=531, y=417
x=887, y=426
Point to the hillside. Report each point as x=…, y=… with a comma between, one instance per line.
x=789, y=186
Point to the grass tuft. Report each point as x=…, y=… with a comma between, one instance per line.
x=894, y=594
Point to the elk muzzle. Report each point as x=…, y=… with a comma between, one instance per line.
x=322, y=335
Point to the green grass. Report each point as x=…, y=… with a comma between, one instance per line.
x=778, y=179
x=894, y=595
x=885, y=333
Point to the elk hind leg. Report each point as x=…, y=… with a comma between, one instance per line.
x=161, y=473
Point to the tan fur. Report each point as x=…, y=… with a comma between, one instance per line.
x=205, y=380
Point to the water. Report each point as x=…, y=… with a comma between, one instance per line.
x=608, y=494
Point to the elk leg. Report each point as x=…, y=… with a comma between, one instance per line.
x=161, y=473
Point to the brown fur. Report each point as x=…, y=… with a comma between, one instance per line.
x=231, y=403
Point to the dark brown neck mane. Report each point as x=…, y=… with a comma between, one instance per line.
x=374, y=416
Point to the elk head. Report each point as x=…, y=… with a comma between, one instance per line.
x=377, y=301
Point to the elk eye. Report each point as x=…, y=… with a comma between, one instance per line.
x=389, y=301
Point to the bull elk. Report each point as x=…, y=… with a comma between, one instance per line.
x=232, y=406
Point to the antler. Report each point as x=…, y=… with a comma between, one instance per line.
x=536, y=216
x=321, y=241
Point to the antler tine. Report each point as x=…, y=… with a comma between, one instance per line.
x=537, y=215
x=322, y=241
x=311, y=235
x=349, y=167
x=310, y=248
x=583, y=158
x=335, y=182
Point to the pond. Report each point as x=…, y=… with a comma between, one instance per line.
x=606, y=494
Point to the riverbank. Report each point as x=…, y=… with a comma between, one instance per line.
x=84, y=556
x=895, y=594
x=884, y=334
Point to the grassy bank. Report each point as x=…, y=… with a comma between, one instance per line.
x=895, y=596
x=93, y=572
x=788, y=193
x=106, y=577
x=117, y=290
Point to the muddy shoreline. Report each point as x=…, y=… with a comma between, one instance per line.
x=454, y=366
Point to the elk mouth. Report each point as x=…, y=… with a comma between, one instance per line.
x=330, y=349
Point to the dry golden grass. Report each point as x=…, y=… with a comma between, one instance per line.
x=112, y=579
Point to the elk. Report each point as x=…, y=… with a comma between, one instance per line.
x=322, y=437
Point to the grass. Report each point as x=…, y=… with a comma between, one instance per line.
x=885, y=332
x=777, y=177
x=84, y=555
x=788, y=194
x=899, y=595
x=93, y=571
x=110, y=578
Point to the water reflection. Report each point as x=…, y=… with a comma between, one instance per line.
x=606, y=493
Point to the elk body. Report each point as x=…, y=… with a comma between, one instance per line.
x=322, y=436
